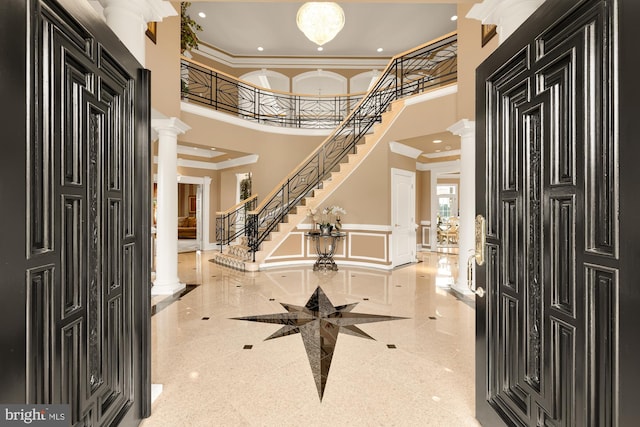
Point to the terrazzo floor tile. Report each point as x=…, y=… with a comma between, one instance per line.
x=217, y=370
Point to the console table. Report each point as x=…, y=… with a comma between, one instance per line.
x=325, y=248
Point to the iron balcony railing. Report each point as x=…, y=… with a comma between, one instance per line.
x=423, y=68
x=205, y=85
x=232, y=223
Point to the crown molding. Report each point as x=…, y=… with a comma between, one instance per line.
x=404, y=150
x=198, y=152
x=448, y=167
x=195, y=164
x=442, y=154
x=232, y=61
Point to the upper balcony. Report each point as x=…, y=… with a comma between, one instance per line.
x=409, y=73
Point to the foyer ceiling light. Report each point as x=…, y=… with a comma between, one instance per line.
x=320, y=21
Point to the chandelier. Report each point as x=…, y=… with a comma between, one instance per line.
x=320, y=21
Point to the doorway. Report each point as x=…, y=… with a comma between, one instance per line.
x=448, y=214
x=403, y=211
x=189, y=217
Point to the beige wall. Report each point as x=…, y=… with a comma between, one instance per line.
x=425, y=118
x=162, y=59
x=278, y=154
x=423, y=200
x=470, y=55
x=365, y=195
x=229, y=185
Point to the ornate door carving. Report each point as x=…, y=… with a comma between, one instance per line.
x=81, y=320
x=547, y=186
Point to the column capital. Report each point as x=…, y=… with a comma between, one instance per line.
x=207, y=180
x=148, y=10
x=463, y=128
x=171, y=125
x=508, y=15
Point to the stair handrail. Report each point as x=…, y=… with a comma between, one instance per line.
x=232, y=223
x=204, y=84
x=429, y=65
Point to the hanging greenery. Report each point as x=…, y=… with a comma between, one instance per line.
x=188, y=27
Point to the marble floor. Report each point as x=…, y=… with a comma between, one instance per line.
x=217, y=370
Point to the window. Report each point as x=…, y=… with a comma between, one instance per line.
x=447, y=200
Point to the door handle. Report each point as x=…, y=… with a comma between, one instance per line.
x=478, y=254
x=481, y=240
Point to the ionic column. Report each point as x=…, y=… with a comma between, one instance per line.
x=508, y=15
x=167, y=281
x=129, y=18
x=466, y=129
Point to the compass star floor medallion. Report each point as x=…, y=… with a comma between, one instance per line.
x=319, y=323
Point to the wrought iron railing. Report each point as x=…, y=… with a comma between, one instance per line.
x=205, y=85
x=426, y=67
x=232, y=223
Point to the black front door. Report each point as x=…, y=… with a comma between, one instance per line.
x=547, y=184
x=74, y=297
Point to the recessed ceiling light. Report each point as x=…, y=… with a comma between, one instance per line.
x=454, y=18
x=320, y=48
x=260, y=48
x=437, y=151
x=213, y=148
x=202, y=15
x=437, y=141
x=380, y=49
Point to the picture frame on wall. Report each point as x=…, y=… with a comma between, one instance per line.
x=192, y=204
x=488, y=32
x=152, y=31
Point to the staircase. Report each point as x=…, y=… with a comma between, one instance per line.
x=237, y=256
x=430, y=66
x=298, y=214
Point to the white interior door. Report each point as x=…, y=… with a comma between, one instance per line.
x=403, y=209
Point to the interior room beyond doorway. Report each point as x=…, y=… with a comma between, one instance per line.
x=188, y=217
x=448, y=214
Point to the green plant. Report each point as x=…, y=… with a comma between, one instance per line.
x=245, y=189
x=184, y=87
x=188, y=27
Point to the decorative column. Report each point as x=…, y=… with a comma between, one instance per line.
x=167, y=282
x=508, y=15
x=129, y=18
x=466, y=130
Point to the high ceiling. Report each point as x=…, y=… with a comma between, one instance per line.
x=239, y=28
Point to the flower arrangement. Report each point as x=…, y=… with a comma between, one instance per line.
x=328, y=217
